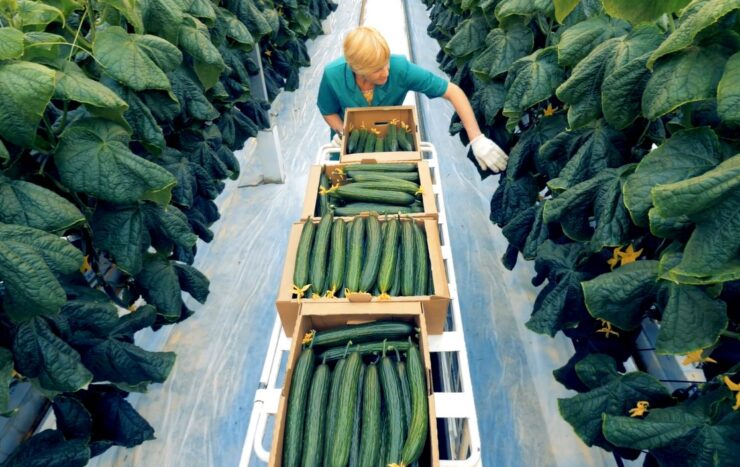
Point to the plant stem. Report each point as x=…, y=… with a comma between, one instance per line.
x=726, y=333
x=77, y=34
x=90, y=17
x=644, y=132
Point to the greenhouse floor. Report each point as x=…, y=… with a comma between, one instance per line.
x=201, y=413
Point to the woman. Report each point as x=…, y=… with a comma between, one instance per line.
x=368, y=75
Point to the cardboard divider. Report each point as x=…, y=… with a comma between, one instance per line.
x=333, y=171
x=435, y=306
x=378, y=118
x=327, y=316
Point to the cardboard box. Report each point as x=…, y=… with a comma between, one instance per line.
x=318, y=317
x=333, y=172
x=435, y=306
x=378, y=118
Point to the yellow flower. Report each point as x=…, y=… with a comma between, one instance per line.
x=734, y=387
x=85, y=264
x=300, y=292
x=639, y=411
x=696, y=357
x=607, y=328
x=308, y=337
x=629, y=255
x=549, y=111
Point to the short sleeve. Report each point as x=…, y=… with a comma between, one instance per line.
x=327, y=100
x=424, y=81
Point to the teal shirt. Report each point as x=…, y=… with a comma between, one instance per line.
x=338, y=89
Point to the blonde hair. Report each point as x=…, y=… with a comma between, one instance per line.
x=366, y=50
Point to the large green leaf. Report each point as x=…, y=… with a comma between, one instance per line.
x=691, y=319
x=93, y=157
x=531, y=79
x=120, y=231
x=695, y=21
x=189, y=92
x=469, y=37
x=193, y=282
x=642, y=11
x=146, y=130
x=192, y=179
x=622, y=296
x=505, y=46
x=11, y=43
x=49, y=361
x=130, y=10
x=507, y=8
x=640, y=41
x=701, y=432
x=234, y=28
x=115, y=420
x=523, y=157
x=593, y=210
x=138, y=61
x=580, y=39
x=40, y=46
x=50, y=449
x=196, y=41
x=560, y=303
x=72, y=417
x=125, y=363
x=621, y=93
x=168, y=225
x=28, y=204
x=689, y=76
x=25, y=90
x=526, y=231
x=73, y=84
x=199, y=8
x=687, y=153
x=614, y=396
x=34, y=16
x=28, y=260
x=162, y=18
x=728, y=92
x=6, y=377
x=207, y=150
x=160, y=287
x=563, y=8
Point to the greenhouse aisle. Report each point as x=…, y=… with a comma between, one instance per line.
x=201, y=413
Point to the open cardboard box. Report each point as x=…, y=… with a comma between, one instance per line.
x=378, y=118
x=326, y=316
x=435, y=306
x=333, y=171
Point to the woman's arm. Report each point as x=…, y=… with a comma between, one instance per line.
x=335, y=122
x=462, y=106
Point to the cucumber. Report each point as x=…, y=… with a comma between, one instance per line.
x=382, y=167
x=403, y=186
x=371, y=419
x=367, y=348
x=358, y=333
x=389, y=259
x=352, y=192
x=421, y=279
x=348, y=243
x=337, y=257
x=353, y=209
x=323, y=203
x=419, y=427
x=354, y=138
x=373, y=245
x=342, y=437
x=361, y=140
x=408, y=241
x=319, y=254
x=392, y=398
x=405, y=395
x=391, y=137
x=404, y=140
x=378, y=144
x=382, y=177
x=313, y=440
x=299, y=386
x=332, y=404
x=303, y=254
x=370, y=142
x=396, y=287
x=354, y=450
x=412, y=176
x=356, y=247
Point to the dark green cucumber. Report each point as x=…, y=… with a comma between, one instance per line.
x=382, y=167
x=332, y=404
x=411, y=187
x=371, y=418
x=352, y=192
x=348, y=243
x=356, y=248
x=367, y=348
x=392, y=399
x=412, y=176
x=373, y=245
x=421, y=279
x=419, y=427
x=404, y=140
x=358, y=333
x=323, y=204
x=389, y=259
x=313, y=439
x=346, y=411
x=403, y=186
x=370, y=142
x=405, y=395
x=354, y=138
x=303, y=255
x=354, y=450
x=353, y=209
x=299, y=386
x=408, y=242
x=361, y=140
x=337, y=257
x=396, y=287
x=391, y=137
x=379, y=144
x=319, y=254
x=383, y=432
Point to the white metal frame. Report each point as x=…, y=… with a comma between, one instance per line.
x=456, y=402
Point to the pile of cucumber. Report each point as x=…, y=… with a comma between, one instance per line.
x=398, y=137
x=361, y=407
x=381, y=188
x=388, y=258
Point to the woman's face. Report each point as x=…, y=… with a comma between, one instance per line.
x=380, y=76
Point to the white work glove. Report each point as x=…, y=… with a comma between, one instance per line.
x=488, y=154
x=337, y=140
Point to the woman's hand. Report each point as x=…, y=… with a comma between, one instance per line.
x=337, y=140
x=488, y=154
